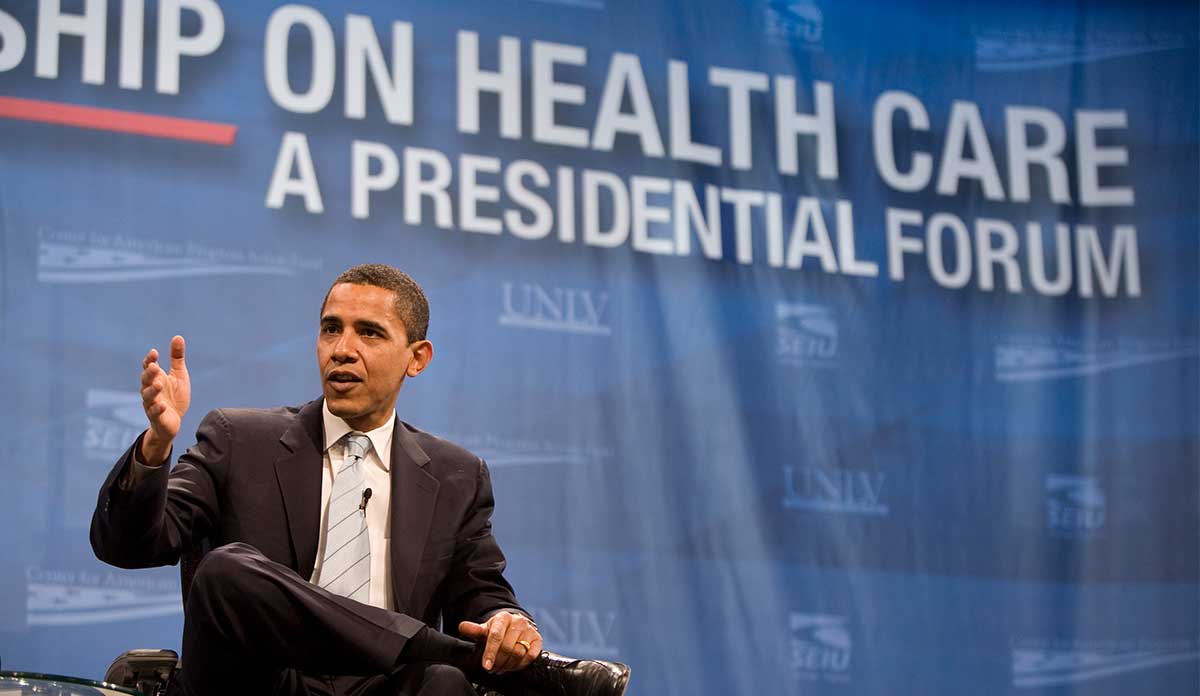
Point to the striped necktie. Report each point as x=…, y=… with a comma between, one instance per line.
x=346, y=569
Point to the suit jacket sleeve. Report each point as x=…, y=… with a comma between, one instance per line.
x=475, y=587
x=162, y=513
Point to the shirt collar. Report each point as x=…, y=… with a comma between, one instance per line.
x=381, y=438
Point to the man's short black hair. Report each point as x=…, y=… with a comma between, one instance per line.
x=411, y=305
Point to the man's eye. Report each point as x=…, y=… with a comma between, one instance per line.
x=329, y=328
x=368, y=332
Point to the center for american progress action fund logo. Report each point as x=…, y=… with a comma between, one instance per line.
x=95, y=257
x=1041, y=662
x=1034, y=358
x=77, y=597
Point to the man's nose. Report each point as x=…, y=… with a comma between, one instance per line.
x=346, y=348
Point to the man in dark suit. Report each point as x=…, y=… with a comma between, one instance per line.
x=265, y=614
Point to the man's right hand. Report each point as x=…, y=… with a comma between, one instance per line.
x=165, y=398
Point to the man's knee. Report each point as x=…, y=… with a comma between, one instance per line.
x=445, y=680
x=221, y=573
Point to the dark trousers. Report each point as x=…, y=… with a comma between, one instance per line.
x=253, y=626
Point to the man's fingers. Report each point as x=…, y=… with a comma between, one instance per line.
x=153, y=384
x=535, y=649
x=501, y=653
x=177, y=350
x=517, y=644
x=509, y=654
x=497, y=627
x=470, y=629
x=518, y=649
x=149, y=374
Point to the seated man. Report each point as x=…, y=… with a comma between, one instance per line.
x=342, y=535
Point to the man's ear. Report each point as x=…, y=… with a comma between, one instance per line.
x=422, y=355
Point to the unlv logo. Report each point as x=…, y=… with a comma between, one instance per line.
x=569, y=310
x=578, y=631
x=853, y=491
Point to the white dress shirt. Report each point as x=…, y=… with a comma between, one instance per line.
x=376, y=476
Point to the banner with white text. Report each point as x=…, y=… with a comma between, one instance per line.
x=815, y=347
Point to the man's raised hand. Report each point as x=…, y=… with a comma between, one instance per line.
x=165, y=398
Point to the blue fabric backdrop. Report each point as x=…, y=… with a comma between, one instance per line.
x=757, y=425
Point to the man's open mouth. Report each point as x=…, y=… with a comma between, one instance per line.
x=342, y=381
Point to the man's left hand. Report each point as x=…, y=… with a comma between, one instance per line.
x=512, y=641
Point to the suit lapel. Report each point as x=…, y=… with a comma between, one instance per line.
x=299, y=473
x=414, y=494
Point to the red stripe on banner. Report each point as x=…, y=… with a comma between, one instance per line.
x=117, y=121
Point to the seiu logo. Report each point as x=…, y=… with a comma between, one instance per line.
x=797, y=19
x=114, y=419
x=834, y=490
x=570, y=310
x=820, y=646
x=805, y=334
x=1075, y=505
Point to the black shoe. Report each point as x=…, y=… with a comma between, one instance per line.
x=555, y=675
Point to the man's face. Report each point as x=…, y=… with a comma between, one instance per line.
x=364, y=354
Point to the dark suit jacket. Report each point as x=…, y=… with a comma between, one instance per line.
x=254, y=475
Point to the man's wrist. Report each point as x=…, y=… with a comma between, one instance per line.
x=519, y=613
x=152, y=451
x=515, y=612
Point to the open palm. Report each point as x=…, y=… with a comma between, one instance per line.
x=165, y=398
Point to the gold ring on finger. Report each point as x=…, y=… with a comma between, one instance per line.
x=524, y=644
